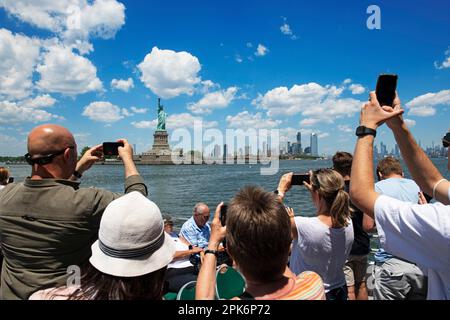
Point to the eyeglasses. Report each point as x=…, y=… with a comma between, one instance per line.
x=48, y=158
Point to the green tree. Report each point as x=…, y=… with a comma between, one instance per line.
x=83, y=151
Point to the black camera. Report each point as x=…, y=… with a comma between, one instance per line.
x=11, y=180
x=446, y=140
x=223, y=215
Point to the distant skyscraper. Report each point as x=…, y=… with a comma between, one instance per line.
x=134, y=149
x=299, y=141
x=264, y=150
x=225, y=152
x=308, y=150
x=383, y=150
x=216, y=152
x=375, y=152
x=314, y=145
x=397, y=151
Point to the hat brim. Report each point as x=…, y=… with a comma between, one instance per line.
x=134, y=267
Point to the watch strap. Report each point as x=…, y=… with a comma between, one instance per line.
x=214, y=252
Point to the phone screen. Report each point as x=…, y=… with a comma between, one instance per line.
x=298, y=178
x=111, y=148
x=385, y=91
x=446, y=140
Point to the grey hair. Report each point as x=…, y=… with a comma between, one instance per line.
x=198, y=206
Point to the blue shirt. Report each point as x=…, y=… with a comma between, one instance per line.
x=401, y=189
x=195, y=235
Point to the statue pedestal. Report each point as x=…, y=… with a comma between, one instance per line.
x=160, y=141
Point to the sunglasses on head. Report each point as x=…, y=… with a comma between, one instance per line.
x=48, y=158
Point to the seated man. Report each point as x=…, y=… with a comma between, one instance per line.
x=196, y=230
x=396, y=278
x=415, y=232
x=48, y=223
x=258, y=232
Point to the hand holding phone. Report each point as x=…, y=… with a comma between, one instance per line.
x=111, y=148
x=446, y=140
x=299, y=178
x=386, y=87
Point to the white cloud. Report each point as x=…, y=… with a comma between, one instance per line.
x=261, y=50
x=323, y=135
x=41, y=101
x=347, y=81
x=13, y=113
x=315, y=102
x=214, y=100
x=175, y=121
x=356, y=88
x=75, y=21
x=206, y=86
x=286, y=29
x=124, y=85
x=422, y=106
x=65, y=72
x=410, y=122
x=238, y=58
x=249, y=45
x=18, y=57
x=138, y=110
x=445, y=63
x=168, y=73
x=103, y=111
x=246, y=120
x=424, y=111
x=345, y=128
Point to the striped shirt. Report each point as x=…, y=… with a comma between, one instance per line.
x=306, y=286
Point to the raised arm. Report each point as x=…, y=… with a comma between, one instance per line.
x=362, y=187
x=206, y=280
x=423, y=171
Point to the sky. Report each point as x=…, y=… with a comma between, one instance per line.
x=97, y=67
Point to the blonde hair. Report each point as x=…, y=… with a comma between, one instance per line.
x=330, y=186
x=4, y=175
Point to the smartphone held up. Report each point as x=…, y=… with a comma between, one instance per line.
x=386, y=88
x=299, y=178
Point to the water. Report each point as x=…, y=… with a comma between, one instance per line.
x=176, y=189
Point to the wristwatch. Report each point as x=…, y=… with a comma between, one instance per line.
x=77, y=174
x=279, y=193
x=214, y=252
x=362, y=131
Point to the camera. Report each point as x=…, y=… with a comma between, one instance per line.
x=298, y=178
x=111, y=148
x=446, y=140
x=11, y=180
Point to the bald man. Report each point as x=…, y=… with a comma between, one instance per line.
x=196, y=230
x=48, y=223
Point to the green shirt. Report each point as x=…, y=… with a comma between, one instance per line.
x=45, y=227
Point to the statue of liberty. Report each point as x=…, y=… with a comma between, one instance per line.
x=161, y=117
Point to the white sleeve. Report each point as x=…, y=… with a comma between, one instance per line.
x=418, y=233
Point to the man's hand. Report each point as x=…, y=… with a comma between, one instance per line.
x=217, y=230
x=397, y=121
x=195, y=250
x=125, y=152
x=373, y=116
x=89, y=158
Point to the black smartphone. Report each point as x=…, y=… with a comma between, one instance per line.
x=298, y=178
x=223, y=215
x=385, y=91
x=111, y=148
x=446, y=140
x=11, y=180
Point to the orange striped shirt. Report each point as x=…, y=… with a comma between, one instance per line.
x=307, y=285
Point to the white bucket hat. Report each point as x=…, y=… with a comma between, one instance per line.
x=131, y=239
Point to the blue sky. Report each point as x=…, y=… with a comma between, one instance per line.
x=290, y=65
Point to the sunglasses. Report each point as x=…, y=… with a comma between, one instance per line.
x=48, y=158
